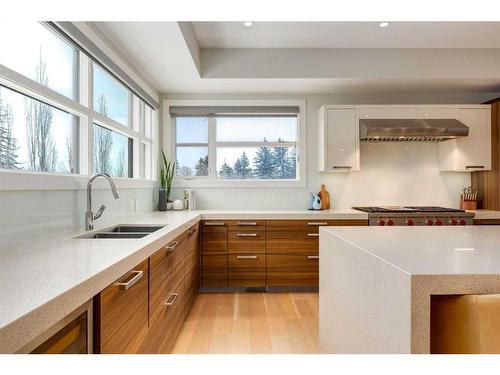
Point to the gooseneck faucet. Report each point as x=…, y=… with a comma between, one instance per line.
x=89, y=215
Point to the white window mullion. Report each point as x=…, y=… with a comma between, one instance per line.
x=212, y=147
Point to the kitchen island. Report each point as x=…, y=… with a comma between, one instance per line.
x=376, y=283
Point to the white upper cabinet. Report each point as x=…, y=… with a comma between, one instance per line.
x=471, y=153
x=338, y=139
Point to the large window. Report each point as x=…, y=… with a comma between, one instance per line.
x=44, y=131
x=37, y=53
x=111, y=98
x=35, y=136
x=237, y=147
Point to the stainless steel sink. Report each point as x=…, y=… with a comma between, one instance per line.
x=123, y=232
x=133, y=228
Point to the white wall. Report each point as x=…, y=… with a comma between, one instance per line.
x=391, y=173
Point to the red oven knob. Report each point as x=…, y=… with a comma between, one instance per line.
x=429, y=222
x=409, y=222
x=438, y=222
x=381, y=222
x=390, y=222
x=462, y=222
x=453, y=222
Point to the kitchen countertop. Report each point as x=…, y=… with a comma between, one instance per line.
x=390, y=275
x=486, y=214
x=42, y=282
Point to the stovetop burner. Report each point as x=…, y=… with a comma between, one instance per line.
x=409, y=209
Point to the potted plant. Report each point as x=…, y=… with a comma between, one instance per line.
x=167, y=172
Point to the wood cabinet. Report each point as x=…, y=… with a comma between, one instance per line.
x=121, y=312
x=471, y=153
x=486, y=221
x=214, y=253
x=174, y=284
x=338, y=139
x=281, y=253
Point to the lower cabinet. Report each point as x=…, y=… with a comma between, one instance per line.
x=214, y=270
x=143, y=311
x=121, y=312
x=246, y=270
x=293, y=270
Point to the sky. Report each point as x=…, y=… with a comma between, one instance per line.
x=116, y=96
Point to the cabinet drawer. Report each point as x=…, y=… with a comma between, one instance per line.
x=246, y=241
x=165, y=259
x=292, y=270
x=309, y=245
x=214, y=270
x=247, y=270
x=242, y=224
x=214, y=226
x=123, y=312
x=214, y=237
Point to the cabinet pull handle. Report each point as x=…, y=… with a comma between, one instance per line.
x=129, y=284
x=246, y=257
x=313, y=257
x=246, y=234
x=318, y=223
x=341, y=167
x=171, y=299
x=172, y=246
x=312, y=234
x=246, y=223
x=192, y=231
x=474, y=167
x=215, y=223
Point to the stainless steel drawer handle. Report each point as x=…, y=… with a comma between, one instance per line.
x=312, y=234
x=341, y=167
x=246, y=257
x=246, y=223
x=129, y=284
x=313, y=257
x=172, y=246
x=171, y=299
x=192, y=231
x=318, y=223
x=215, y=223
x=474, y=167
x=246, y=234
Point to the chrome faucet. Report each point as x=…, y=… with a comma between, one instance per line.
x=89, y=215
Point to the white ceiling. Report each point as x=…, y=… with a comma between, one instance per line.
x=165, y=56
x=348, y=35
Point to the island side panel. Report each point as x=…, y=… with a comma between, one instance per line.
x=364, y=302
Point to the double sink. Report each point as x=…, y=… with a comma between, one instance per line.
x=123, y=231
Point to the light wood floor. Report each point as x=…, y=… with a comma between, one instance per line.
x=245, y=323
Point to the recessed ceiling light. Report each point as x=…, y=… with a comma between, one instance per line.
x=248, y=23
x=384, y=24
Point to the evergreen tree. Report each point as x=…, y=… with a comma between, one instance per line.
x=201, y=168
x=282, y=162
x=292, y=168
x=264, y=163
x=8, y=144
x=226, y=171
x=242, y=167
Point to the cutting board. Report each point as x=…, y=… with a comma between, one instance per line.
x=325, y=198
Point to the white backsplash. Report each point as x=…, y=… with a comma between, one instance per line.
x=29, y=215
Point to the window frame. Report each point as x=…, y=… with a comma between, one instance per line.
x=82, y=107
x=212, y=180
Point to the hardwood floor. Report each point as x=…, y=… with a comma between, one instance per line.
x=244, y=323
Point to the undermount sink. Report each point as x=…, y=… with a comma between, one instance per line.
x=123, y=232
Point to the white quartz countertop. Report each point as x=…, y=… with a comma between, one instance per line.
x=486, y=214
x=42, y=282
x=422, y=250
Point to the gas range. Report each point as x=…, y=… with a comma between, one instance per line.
x=416, y=215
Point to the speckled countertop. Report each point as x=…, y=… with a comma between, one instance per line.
x=42, y=282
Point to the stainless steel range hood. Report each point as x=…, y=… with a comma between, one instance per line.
x=411, y=129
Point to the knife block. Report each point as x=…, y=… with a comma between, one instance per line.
x=468, y=205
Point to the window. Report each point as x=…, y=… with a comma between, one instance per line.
x=243, y=146
x=192, y=146
x=256, y=147
x=112, y=152
x=35, y=136
x=37, y=53
x=111, y=98
x=44, y=131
